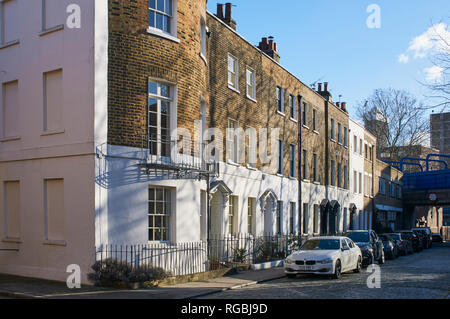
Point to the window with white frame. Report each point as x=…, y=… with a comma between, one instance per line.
x=251, y=146
x=233, y=66
x=292, y=107
x=315, y=177
x=314, y=123
x=339, y=133
x=251, y=83
x=332, y=129
x=339, y=174
x=159, y=212
x=360, y=146
x=292, y=160
x=160, y=15
x=279, y=217
x=360, y=182
x=305, y=217
x=160, y=99
x=280, y=156
x=355, y=144
x=305, y=114
x=355, y=182
x=345, y=177
x=233, y=141
x=9, y=32
x=333, y=167
x=232, y=215
x=279, y=97
x=203, y=30
x=292, y=210
x=10, y=110
x=345, y=136
x=305, y=164
x=316, y=219
x=251, y=212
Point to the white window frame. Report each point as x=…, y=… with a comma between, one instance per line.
x=292, y=160
x=292, y=107
x=279, y=95
x=251, y=92
x=233, y=140
x=234, y=73
x=172, y=35
x=203, y=31
x=159, y=98
x=166, y=215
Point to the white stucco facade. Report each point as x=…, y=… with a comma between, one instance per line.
x=356, y=159
x=59, y=84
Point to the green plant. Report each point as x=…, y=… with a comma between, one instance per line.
x=111, y=271
x=240, y=255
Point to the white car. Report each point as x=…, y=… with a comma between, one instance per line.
x=325, y=256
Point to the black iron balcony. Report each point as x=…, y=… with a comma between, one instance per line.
x=184, y=158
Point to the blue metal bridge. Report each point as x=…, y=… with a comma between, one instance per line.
x=426, y=187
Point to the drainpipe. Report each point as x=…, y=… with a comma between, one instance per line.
x=299, y=143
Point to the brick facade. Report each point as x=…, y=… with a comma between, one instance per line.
x=135, y=55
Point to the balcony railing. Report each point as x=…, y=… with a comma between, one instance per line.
x=182, y=157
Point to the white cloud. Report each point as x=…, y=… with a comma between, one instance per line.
x=403, y=58
x=435, y=39
x=434, y=73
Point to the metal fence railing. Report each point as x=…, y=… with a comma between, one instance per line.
x=218, y=252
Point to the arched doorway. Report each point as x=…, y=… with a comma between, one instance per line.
x=268, y=201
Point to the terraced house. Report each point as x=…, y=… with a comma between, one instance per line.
x=155, y=122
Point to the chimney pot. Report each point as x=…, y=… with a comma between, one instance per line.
x=344, y=106
x=325, y=84
x=275, y=46
x=320, y=87
x=220, y=11
x=338, y=104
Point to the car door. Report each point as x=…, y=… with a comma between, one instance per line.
x=354, y=254
x=375, y=245
x=346, y=256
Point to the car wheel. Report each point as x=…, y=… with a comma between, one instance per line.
x=358, y=265
x=337, y=270
x=382, y=258
x=291, y=275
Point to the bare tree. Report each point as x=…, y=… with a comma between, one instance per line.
x=397, y=120
x=440, y=90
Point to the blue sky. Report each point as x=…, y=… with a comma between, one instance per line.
x=330, y=40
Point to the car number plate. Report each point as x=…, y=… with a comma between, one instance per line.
x=306, y=268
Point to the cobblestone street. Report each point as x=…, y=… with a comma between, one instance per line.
x=421, y=275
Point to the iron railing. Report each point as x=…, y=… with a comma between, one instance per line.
x=220, y=251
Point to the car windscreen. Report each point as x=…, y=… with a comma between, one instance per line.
x=358, y=237
x=321, y=244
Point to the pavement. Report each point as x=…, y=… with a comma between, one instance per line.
x=31, y=288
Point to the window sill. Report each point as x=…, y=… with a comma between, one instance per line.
x=305, y=126
x=317, y=132
x=12, y=240
x=280, y=175
x=293, y=119
x=53, y=132
x=281, y=113
x=251, y=99
x=10, y=139
x=9, y=44
x=233, y=89
x=292, y=178
x=251, y=168
x=159, y=33
x=306, y=180
x=317, y=183
x=51, y=30
x=333, y=140
x=61, y=243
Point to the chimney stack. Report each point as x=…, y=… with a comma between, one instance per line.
x=269, y=48
x=228, y=17
x=338, y=104
x=344, y=106
x=325, y=94
x=220, y=11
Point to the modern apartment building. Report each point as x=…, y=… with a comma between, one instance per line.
x=154, y=121
x=440, y=132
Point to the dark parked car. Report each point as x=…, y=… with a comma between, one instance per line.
x=404, y=244
x=390, y=246
x=429, y=236
x=413, y=238
x=371, y=246
x=437, y=238
x=422, y=237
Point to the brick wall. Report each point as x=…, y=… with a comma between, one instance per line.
x=136, y=55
